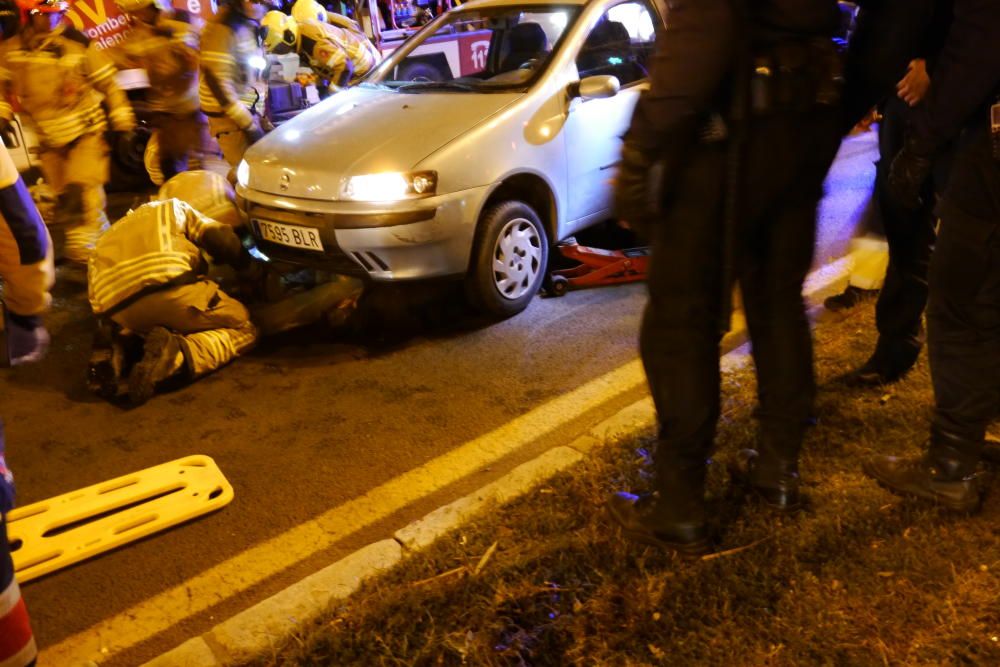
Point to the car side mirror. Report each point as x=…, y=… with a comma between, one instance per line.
x=594, y=87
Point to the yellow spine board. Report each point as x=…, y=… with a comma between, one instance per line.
x=52, y=534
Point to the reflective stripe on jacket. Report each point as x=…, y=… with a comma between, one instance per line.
x=328, y=48
x=60, y=79
x=168, y=51
x=228, y=45
x=156, y=244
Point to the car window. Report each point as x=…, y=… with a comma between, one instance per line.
x=492, y=48
x=621, y=44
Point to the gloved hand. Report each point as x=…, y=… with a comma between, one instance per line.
x=254, y=133
x=633, y=191
x=907, y=175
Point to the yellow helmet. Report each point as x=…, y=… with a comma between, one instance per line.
x=279, y=29
x=308, y=10
x=207, y=192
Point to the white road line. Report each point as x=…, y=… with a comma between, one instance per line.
x=157, y=614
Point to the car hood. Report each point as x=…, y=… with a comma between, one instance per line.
x=362, y=131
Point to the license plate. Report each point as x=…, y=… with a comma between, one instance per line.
x=306, y=238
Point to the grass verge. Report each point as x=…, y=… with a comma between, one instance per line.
x=861, y=578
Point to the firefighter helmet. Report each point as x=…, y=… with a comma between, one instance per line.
x=279, y=29
x=129, y=6
x=43, y=6
x=308, y=10
x=207, y=192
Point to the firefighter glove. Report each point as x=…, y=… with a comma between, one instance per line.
x=254, y=133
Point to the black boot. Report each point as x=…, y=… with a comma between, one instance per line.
x=921, y=477
x=672, y=518
x=849, y=298
x=889, y=363
x=950, y=473
x=775, y=483
x=159, y=358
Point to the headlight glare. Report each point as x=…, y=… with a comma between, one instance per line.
x=243, y=174
x=390, y=186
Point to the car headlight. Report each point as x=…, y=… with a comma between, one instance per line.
x=391, y=186
x=243, y=173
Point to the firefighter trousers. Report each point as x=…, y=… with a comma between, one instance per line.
x=214, y=327
x=178, y=144
x=25, y=286
x=77, y=173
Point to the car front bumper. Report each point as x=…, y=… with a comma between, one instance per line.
x=405, y=240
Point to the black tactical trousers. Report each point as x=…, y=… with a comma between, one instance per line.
x=910, y=235
x=787, y=158
x=963, y=313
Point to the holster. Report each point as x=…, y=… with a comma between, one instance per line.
x=795, y=76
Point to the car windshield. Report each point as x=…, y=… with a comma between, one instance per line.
x=478, y=50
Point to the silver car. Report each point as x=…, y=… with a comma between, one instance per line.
x=505, y=146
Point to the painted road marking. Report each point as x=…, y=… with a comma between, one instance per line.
x=157, y=614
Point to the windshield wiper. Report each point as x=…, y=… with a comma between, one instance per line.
x=436, y=85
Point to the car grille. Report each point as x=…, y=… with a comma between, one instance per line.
x=333, y=258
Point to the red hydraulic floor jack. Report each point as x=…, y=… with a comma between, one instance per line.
x=598, y=267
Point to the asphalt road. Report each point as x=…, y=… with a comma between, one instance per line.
x=309, y=421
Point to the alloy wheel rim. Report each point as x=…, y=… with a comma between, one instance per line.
x=517, y=258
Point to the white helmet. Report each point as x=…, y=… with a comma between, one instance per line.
x=308, y=10
x=129, y=6
x=279, y=29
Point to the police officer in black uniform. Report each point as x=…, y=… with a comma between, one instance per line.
x=895, y=44
x=963, y=312
x=744, y=100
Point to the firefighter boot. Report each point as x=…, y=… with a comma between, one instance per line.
x=25, y=339
x=671, y=518
x=946, y=475
x=161, y=359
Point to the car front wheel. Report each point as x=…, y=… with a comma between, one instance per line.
x=509, y=259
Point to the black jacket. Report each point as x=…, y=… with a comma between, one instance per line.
x=965, y=79
x=887, y=36
x=695, y=57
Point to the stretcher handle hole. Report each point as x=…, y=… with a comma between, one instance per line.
x=15, y=545
x=216, y=492
x=59, y=529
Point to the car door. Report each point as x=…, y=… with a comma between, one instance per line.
x=620, y=44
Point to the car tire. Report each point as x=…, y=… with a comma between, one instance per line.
x=421, y=71
x=509, y=259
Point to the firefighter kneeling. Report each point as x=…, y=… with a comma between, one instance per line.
x=148, y=275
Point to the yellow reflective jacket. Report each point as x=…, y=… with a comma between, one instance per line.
x=168, y=51
x=228, y=47
x=60, y=79
x=156, y=245
x=328, y=48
